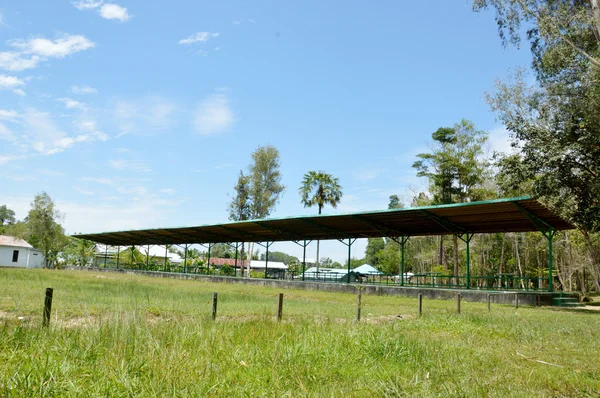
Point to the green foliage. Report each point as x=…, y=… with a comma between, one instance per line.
x=395, y=202
x=240, y=205
x=320, y=189
x=265, y=186
x=7, y=216
x=280, y=257
x=221, y=250
x=227, y=270
x=374, y=246
x=78, y=252
x=44, y=231
x=455, y=168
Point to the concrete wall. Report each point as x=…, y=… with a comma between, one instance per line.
x=28, y=258
x=498, y=297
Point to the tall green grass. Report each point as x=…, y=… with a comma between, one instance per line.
x=124, y=335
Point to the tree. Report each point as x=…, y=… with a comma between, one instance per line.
x=555, y=125
x=395, y=202
x=320, y=189
x=374, y=246
x=240, y=207
x=78, y=252
x=455, y=169
x=259, y=191
x=7, y=216
x=265, y=181
x=43, y=229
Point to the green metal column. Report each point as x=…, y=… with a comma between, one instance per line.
x=550, y=236
x=467, y=241
x=185, y=259
x=105, y=254
x=402, y=246
x=235, y=266
x=118, y=255
x=349, y=255
x=267, y=244
x=132, y=250
x=303, y=259
x=166, y=249
x=208, y=261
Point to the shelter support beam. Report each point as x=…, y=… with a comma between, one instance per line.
x=185, y=259
x=166, y=252
x=105, y=254
x=266, y=245
x=548, y=231
x=303, y=244
x=235, y=266
x=349, y=244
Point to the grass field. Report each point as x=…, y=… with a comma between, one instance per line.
x=125, y=335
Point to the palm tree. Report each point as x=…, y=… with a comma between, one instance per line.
x=320, y=189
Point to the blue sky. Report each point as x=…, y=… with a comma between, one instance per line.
x=138, y=114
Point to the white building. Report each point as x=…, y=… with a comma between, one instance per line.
x=15, y=252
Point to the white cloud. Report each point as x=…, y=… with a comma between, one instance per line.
x=83, y=191
x=10, y=115
x=97, y=180
x=199, y=37
x=14, y=61
x=50, y=173
x=168, y=191
x=87, y=4
x=251, y=20
x=58, y=48
x=43, y=136
x=237, y=22
x=213, y=115
x=71, y=103
x=20, y=92
x=366, y=174
x=10, y=82
x=113, y=11
x=83, y=90
x=130, y=165
x=145, y=116
x=6, y=134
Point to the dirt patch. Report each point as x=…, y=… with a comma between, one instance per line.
x=377, y=320
x=77, y=322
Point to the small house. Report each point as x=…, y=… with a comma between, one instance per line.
x=15, y=252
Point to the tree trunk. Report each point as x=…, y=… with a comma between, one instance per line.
x=318, y=244
x=518, y=258
x=455, y=269
x=442, y=252
x=595, y=4
x=595, y=256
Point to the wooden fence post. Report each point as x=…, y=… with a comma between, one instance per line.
x=458, y=303
x=280, y=307
x=420, y=304
x=358, y=304
x=214, y=305
x=489, y=302
x=48, y=306
x=516, y=300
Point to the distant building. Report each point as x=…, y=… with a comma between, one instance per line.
x=15, y=252
x=327, y=275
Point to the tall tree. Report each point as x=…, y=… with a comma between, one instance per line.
x=44, y=231
x=455, y=169
x=258, y=192
x=265, y=181
x=395, y=202
x=7, y=216
x=240, y=207
x=555, y=124
x=320, y=189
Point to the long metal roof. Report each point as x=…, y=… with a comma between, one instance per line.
x=522, y=214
